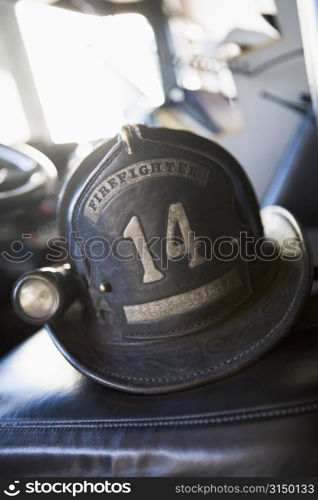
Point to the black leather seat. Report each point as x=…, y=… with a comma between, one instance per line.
x=262, y=421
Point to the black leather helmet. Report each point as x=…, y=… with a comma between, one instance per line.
x=181, y=280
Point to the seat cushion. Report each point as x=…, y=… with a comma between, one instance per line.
x=260, y=422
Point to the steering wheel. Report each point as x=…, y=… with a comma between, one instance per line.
x=25, y=176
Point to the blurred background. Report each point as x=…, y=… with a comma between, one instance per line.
x=72, y=72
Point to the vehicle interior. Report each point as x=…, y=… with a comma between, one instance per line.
x=73, y=73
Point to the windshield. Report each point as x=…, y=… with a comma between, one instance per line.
x=88, y=69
